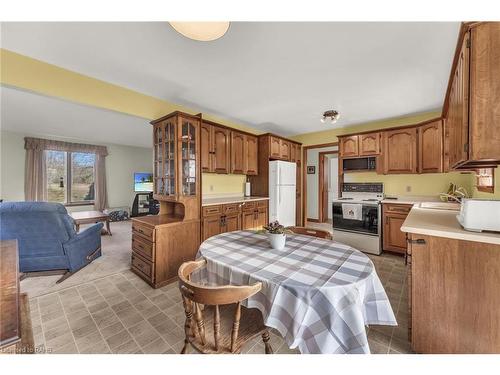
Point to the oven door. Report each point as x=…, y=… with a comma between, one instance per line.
x=368, y=225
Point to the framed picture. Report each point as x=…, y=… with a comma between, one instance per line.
x=311, y=169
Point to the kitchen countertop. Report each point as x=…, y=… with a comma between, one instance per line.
x=213, y=201
x=443, y=223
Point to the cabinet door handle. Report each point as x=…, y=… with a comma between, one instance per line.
x=419, y=241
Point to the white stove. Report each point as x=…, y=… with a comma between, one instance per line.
x=357, y=216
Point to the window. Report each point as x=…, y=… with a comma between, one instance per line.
x=485, y=180
x=70, y=177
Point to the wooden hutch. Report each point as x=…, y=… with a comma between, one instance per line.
x=160, y=244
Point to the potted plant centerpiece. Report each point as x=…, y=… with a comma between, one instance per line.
x=276, y=234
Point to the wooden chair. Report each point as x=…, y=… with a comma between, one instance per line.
x=216, y=322
x=312, y=232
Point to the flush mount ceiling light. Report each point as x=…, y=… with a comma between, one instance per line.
x=201, y=31
x=332, y=114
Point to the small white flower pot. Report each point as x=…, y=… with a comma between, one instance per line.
x=277, y=241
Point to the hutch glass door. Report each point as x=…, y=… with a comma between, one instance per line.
x=188, y=166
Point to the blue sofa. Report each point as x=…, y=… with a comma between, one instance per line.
x=47, y=238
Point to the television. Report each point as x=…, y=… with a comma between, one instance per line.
x=143, y=182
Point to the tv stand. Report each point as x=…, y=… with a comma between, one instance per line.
x=144, y=204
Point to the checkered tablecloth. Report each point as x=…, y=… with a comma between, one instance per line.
x=319, y=294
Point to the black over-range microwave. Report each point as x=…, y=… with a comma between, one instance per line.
x=360, y=164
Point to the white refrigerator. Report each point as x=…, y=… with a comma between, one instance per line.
x=282, y=192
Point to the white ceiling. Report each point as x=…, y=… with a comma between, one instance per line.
x=38, y=115
x=273, y=76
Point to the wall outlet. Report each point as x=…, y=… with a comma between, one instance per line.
x=408, y=189
x=211, y=187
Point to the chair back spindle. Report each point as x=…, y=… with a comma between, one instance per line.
x=196, y=295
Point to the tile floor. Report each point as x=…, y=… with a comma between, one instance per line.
x=120, y=313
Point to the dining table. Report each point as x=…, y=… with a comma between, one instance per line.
x=319, y=294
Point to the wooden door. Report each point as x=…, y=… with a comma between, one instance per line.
x=369, y=144
x=284, y=149
x=349, y=146
x=206, y=148
x=221, y=156
x=248, y=219
x=211, y=226
x=430, y=147
x=400, y=151
x=484, y=120
x=458, y=109
x=251, y=155
x=393, y=238
x=232, y=222
x=275, y=148
x=238, y=153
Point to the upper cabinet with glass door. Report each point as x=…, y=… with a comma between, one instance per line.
x=176, y=157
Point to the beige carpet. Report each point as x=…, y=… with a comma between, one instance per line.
x=116, y=251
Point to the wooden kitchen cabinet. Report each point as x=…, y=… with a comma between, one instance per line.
x=458, y=108
x=224, y=218
x=221, y=144
x=251, y=155
x=160, y=244
x=369, y=144
x=211, y=226
x=471, y=106
x=206, y=148
x=349, y=146
x=275, y=147
x=238, y=153
x=400, y=151
x=394, y=216
x=284, y=149
x=215, y=148
x=231, y=223
x=255, y=215
x=453, y=298
x=430, y=147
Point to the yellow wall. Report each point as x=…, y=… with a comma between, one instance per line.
x=480, y=194
x=424, y=184
x=328, y=136
x=223, y=183
x=37, y=76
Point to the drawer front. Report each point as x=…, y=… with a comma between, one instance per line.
x=142, y=266
x=231, y=208
x=263, y=203
x=249, y=206
x=397, y=208
x=143, y=247
x=212, y=210
x=143, y=231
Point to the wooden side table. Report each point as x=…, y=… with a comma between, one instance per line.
x=90, y=217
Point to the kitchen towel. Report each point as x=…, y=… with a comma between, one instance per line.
x=352, y=211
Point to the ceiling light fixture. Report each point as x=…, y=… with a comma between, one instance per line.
x=332, y=114
x=201, y=31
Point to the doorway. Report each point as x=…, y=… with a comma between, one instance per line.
x=328, y=184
